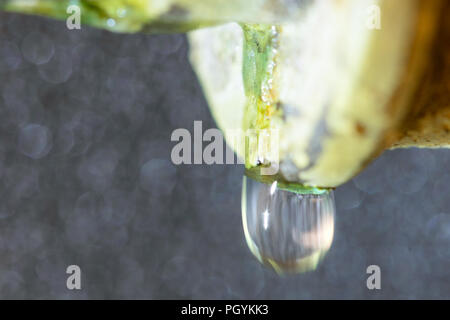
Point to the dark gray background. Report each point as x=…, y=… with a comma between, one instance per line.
x=86, y=178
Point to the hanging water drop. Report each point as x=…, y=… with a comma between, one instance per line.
x=288, y=231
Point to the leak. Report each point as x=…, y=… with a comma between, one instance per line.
x=289, y=231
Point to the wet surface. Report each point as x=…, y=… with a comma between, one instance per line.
x=85, y=178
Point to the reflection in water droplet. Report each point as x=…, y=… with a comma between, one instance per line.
x=287, y=231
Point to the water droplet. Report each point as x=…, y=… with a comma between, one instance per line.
x=37, y=48
x=10, y=58
x=58, y=69
x=288, y=231
x=35, y=141
x=158, y=177
x=111, y=22
x=121, y=12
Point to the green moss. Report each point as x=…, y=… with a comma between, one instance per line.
x=257, y=55
x=283, y=184
x=259, y=60
x=126, y=16
x=259, y=64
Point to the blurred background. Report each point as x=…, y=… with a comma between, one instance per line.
x=86, y=178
